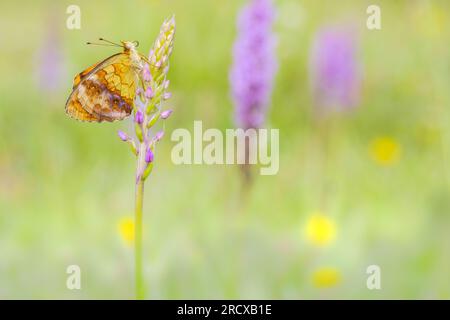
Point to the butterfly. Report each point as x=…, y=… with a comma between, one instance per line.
x=106, y=90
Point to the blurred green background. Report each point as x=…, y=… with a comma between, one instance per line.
x=66, y=187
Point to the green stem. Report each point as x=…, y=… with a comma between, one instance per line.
x=139, y=198
x=138, y=240
x=139, y=278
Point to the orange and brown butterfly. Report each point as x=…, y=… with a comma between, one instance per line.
x=106, y=90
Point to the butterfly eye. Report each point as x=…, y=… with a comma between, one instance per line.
x=136, y=43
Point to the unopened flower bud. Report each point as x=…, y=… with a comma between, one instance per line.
x=149, y=155
x=149, y=93
x=166, y=84
x=123, y=136
x=165, y=114
x=146, y=75
x=139, y=116
x=159, y=135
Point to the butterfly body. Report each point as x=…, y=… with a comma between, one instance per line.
x=106, y=90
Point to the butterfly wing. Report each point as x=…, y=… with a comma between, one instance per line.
x=104, y=91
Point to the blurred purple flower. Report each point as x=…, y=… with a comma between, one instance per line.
x=50, y=63
x=335, y=69
x=254, y=63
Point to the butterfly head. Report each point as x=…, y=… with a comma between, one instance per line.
x=130, y=48
x=130, y=45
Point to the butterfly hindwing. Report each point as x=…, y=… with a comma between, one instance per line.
x=104, y=91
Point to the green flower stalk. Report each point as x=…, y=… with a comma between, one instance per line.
x=147, y=111
x=93, y=101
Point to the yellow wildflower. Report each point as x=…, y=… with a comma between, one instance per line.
x=320, y=230
x=126, y=230
x=326, y=277
x=385, y=151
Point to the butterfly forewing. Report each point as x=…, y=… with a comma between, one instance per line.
x=104, y=91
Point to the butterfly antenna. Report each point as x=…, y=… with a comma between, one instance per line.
x=113, y=43
x=101, y=44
